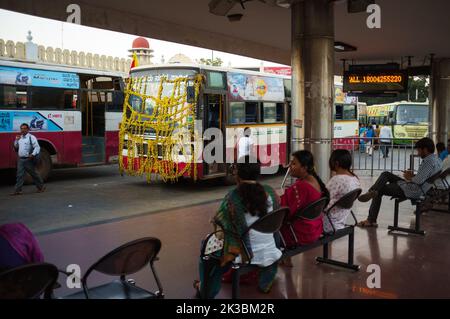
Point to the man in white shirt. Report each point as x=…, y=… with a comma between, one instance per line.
x=245, y=143
x=385, y=140
x=27, y=148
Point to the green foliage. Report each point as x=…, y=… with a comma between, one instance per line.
x=215, y=62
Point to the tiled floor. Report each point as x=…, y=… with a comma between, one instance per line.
x=411, y=266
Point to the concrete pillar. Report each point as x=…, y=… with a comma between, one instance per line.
x=298, y=76
x=440, y=100
x=313, y=71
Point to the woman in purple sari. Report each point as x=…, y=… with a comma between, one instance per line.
x=18, y=246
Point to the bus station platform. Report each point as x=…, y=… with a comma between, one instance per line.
x=411, y=266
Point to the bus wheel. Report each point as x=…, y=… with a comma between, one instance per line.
x=43, y=168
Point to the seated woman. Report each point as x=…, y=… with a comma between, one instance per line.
x=343, y=182
x=241, y=207
x=307, y=189
x=18, y=246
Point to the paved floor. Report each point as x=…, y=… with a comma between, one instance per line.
x=411, y=266
x=87, y=196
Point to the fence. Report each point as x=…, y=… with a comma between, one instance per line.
x=372, y=155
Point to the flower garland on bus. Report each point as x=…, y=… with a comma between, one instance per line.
x=158, y=129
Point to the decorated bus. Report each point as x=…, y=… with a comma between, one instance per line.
x=408, y=120
x=186, y=120
x=73, y=112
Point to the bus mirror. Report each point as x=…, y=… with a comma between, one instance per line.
x=190, y=94
x=391, y=115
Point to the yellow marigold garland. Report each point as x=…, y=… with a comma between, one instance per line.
x=149, y=139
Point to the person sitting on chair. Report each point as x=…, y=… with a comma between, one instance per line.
x=18, y=246
x=240, y=208
x=389, y=184
x=343, y=182
x=442, y=151
x=307, y=189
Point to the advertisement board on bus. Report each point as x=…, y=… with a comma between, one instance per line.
x=253, y=87
x=32, y=77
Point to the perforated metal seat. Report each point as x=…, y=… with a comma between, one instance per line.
x=122, y=261
x=28, y=282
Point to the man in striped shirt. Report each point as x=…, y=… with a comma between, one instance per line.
x=411, y=186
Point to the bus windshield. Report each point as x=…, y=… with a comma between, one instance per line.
x=147, y=82
x=412, y=114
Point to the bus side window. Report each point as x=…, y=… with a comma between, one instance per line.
x=51, y=98
x=349, y=112
x=114, y=101
x=13, y=97
x=70, y=100
x=339, y=112
x=280, y=112
x=251, y=112
x=268, y=112
x=237, y=112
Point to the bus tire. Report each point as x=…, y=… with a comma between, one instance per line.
x=43, y=168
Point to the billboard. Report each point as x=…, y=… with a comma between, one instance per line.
x=247, y=87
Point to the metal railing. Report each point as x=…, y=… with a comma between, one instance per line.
x=372, y=155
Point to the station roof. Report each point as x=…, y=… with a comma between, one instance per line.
x=408, y=27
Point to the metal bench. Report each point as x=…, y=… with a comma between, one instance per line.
x=419, y=203
x=314, y=211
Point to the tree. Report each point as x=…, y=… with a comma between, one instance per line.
x=215, y=62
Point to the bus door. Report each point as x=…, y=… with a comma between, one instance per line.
x=214, y=105
x=93, y=125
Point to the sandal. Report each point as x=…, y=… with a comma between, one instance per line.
x=367, y=223
x=196, y=285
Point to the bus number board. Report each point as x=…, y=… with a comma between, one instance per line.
x=373, y=82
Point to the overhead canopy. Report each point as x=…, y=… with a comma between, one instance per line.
x=408, y=27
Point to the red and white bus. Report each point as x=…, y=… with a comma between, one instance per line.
x=345, y=119
x=227, y=99
x=73, y=112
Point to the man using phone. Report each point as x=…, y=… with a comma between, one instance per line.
x=389, y=184
x=27, y=148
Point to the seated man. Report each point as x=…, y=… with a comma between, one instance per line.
x=441, y=151
x=389, y=184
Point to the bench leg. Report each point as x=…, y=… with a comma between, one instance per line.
x=235, y=283
x=347, y=265
x=325, y=251
x=351, y=247
x=416, y=229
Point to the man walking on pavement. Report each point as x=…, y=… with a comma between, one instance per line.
x=27, y=148
x=385, y=140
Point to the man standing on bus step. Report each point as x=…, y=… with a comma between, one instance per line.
x=27, y=148
x=385, y=139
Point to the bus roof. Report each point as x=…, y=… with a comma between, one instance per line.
x=206, y=67
x=60, y=68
